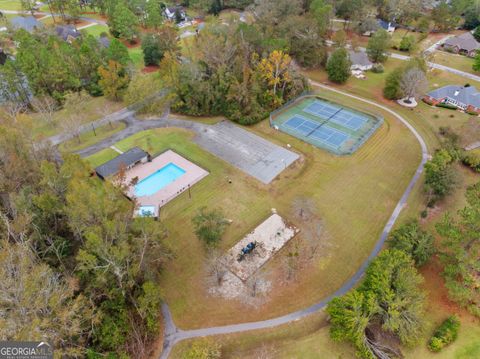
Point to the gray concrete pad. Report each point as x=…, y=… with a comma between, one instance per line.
x=246, y=151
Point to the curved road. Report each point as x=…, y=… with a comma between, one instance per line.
x=173, y=334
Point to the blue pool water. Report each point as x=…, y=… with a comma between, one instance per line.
x=158, y=180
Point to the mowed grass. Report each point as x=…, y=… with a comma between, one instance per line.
x=96, y=30
x=355, y=196
x=93, y=109
x=10, y=5
x=458, y=62
x=89, y=138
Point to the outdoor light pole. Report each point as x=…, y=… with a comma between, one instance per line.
x=189, y=193
x=93, y=127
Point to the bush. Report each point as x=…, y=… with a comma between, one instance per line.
x=378, y=69
x=472, y=160
x=407, y=43
x=445, y=334
x=204, y=349
x=446, y=105
x=338, y=66
x=392, y=90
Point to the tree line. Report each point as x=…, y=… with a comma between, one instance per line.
x=77, y=269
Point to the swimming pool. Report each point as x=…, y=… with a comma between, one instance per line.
x=158, y=180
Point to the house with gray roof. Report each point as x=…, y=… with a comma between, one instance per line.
x=125, y=161
x=67, y=32
x=466, y=98
x=27, y=23
x=464, y=44
x=359, y=60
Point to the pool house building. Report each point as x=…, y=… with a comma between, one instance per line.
x=126, y=160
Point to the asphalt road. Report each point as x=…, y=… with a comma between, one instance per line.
x=173, y=335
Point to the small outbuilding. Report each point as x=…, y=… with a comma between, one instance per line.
x=126, y=161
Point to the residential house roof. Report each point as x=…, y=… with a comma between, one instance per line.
x=464, y=42
x=359, y=58
x=126, y=159
x=67, y=31
x=467, y=95
x=386, y=24
x=28, y=23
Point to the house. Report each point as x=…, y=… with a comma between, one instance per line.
x=67, y=32
x=360, y=61
x=126, y=160
x=27, y=23
x=387, y=26
x=464, y=44
x=170, y=13
x=466, y=98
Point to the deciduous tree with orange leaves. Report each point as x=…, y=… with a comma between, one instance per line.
x=113, y=79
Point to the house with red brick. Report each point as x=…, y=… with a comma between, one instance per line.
x=465, y=98
x=464, y=44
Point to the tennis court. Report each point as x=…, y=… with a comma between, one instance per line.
x=325, y=124
x=319, y=131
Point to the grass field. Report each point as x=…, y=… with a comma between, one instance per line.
x=459, y=62
x=361, y=189
x=93, y=109
x=10, y=5
x=96, y=30
x=91, y=137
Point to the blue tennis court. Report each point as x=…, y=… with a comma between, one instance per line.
x=316, y=130
x=336, y=114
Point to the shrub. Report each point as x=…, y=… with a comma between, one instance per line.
x=445, y=334
x=378, y=69
x=407, y=43
x=446, y=105
x=472, y=160
x=424, y=213
x=392, y=90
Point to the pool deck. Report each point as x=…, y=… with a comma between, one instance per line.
x=192, y=175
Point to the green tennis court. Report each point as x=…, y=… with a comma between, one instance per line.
x=325, y=124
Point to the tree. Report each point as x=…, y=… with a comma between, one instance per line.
x=46, y=107
x=460, y=248
x=38, y=304
x=392, y=89
x=210, y=225
x=407, y=43
x=113, y=79
x=274, y=69
x=151, y=50
x=443, y=18
x=28, y=6
x=440, y=178
x=411, y=239
x=74, y=105
x=123, y=22
x=322, y=12
x=141, y=88
x=388, y=300
x=476, y=33
x=378, y=45
x=338, y=66
x=413, y=83
x=117, y=52
x=154, y=14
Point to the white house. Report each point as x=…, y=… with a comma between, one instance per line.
x=360, y=61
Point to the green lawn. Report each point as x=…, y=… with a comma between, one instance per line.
x=96, y=30
x=91, y=137
x=10, y=5
x=458, y=62
x=136, y=55
x=94, y=108
x=361, y=189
